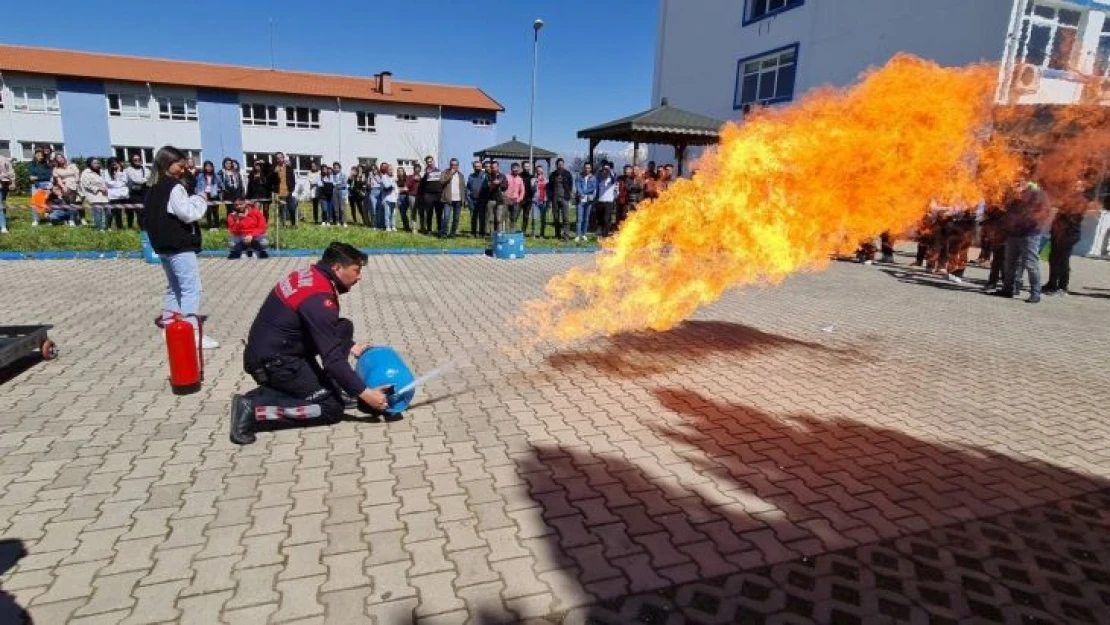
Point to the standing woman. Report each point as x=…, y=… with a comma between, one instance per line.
x=229, y=184
x=95, y=191
x=357, y=193
x=339, y=195
x=404, y=200
x=325, y=189
x=116, y=181
x=170, y=217
x=389, y=196
x=208, y=187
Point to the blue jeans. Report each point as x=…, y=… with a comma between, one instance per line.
x=387, y=213
x=1023, y=254
x=328, y=209
x=338, y=201
x=406, y=204
x=582, y=225
x=100, y=216
x=376, y=208
x=4, y=207
x=183, y=285
x=451, y=212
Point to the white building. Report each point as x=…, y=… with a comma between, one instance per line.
x=103, y=105
x=720, y=57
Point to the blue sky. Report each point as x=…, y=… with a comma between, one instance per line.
x=595, y=63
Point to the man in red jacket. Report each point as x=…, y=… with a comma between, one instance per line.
x=247, y=227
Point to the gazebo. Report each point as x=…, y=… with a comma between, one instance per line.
x=663, y=125
x=514, y=150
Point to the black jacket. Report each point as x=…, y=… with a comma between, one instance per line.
x=168, y=234
x=492, y=190
x=300, y=319
x=562, y=185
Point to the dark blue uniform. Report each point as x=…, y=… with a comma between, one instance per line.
x=298, y=322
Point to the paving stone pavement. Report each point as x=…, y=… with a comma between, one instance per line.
x=852, y=419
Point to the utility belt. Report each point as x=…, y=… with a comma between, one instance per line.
x=260, y=370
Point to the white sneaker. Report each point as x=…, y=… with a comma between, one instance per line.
x=344, y=225
x=3, y=231
x=34, y=224
x=69, y=223
x=207, y=342
x=954, y=279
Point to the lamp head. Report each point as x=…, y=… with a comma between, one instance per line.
x=537, y=25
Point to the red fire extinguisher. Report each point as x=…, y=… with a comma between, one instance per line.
x=184, y=351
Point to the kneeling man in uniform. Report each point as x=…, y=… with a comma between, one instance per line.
x=298, y=322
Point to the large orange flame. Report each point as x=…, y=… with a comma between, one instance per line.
x=787, y=189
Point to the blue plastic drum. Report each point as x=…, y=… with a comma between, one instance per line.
x=381, y=366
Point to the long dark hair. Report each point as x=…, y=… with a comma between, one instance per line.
x=167, y=155
x=114, y=161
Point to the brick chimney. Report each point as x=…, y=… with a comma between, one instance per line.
x=385, y=83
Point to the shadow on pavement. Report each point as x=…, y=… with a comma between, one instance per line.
x=18, y=367
x=746, y=515
x=934, y=280
x=644, y=354
x=11, y=550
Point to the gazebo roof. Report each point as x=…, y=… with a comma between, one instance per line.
x=662, y=124
x=514, y=149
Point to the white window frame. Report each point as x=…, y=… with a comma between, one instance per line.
x=361, y=119
x=123, y=154
x=772, y=7
x=27, y=148
x=406, y=117
x=1030, y=19
x=139, y=108
x=166, y=108
x=758, y=66
x=302, y=163
x=482, y=123
x=311, y=119
x=45, y=102
x=269, y=118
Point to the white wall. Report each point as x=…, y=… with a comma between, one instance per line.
x=20, y=126
x=701, y=42
x=153, y=132
x=338, y=137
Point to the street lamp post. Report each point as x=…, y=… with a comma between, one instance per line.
x=536, y=26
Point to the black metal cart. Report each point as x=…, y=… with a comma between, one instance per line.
x=17, y=342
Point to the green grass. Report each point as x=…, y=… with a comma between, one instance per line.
x=22, y=237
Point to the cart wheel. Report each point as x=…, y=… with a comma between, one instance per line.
x=49, y=350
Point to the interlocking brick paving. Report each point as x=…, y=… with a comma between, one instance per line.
x=867, y=421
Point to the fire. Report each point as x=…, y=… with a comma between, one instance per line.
x=787, y=189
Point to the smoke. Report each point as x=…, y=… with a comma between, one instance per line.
x=787, y=189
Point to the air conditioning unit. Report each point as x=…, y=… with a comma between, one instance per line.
x=1027, y=78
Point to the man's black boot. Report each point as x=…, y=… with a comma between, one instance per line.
x=242, y=420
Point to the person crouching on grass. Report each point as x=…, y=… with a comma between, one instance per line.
x=170, y=217
x=247, y=227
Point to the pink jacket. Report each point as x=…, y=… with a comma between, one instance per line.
x=514, y=193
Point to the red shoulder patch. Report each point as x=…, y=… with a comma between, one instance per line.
x=300, y=285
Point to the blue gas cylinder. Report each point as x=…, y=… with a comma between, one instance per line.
x=382, y=366
x=508, y=245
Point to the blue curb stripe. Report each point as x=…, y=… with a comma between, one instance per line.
x=388, y=251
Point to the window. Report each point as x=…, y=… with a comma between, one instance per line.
x=482, y=122
x=35, y=100
x=407, y=163
x=177, y=109
x=365, y=121
x=1102, y=54
x=128, y=105
x=766, y=79
x=406, y=117
x=1049, y=36
x=302, y=163
x=28, y=148
x=259, y=115
x=1, y=97
x=367, y=161
x=5, y=148
x=302, y=117
x=124, y=153
x=760, y=9
x=251, y=157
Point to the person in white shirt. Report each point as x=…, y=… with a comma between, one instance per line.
x=390, y=194
x=95, y=191
x=170, y=218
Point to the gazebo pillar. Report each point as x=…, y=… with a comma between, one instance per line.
x=635, y=153
x=680, y=156
x=593, y=146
